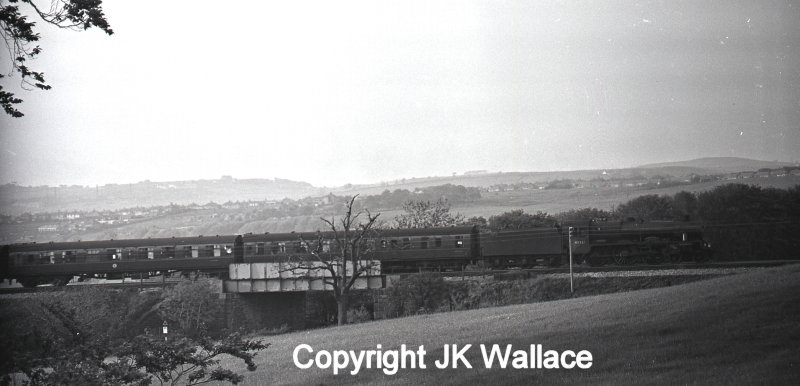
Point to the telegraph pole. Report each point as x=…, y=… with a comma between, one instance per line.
x=571, y=286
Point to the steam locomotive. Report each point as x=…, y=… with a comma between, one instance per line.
x=399, y=250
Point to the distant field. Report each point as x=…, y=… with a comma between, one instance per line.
x=739, y=329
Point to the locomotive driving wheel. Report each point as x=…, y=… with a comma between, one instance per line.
x=675, y=258
x=656, y=257
x=622, y=256
x=592, y=260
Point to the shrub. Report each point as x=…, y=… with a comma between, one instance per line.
x=358, y=315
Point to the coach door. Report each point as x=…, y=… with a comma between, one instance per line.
x=238, y=250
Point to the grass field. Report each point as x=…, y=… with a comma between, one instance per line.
x=740, y=329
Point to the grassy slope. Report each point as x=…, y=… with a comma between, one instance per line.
x=738, y=329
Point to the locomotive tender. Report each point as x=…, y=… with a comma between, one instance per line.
x=399, y=250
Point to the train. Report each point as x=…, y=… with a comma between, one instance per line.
x=590, y=242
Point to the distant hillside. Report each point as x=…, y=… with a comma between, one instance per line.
x=489, y=179
x=15, y=199
x=701, y=166
x=720, y=165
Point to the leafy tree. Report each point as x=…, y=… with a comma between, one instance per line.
x=81, y=364
x=739, y=203
x=180, y=360
x=685, y=206
x=424, y=292
x=479, y=221
x=192, y=305
x=342, y=257
x=646, y=208
x=62, y=348
x=20, y=37
x=518, y=219
x=424, y=214
x=183, y=360
x=585, y=214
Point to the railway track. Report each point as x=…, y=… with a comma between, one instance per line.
x=583, y=269
x=709, y=268
x=145, y=284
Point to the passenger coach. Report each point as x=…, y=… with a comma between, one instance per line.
x=58, y=263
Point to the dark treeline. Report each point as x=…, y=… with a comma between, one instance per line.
x=388, y=200
x=742, y=222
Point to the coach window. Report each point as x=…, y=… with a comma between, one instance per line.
x=437, y=242
x=282, y=247
x=423, y=244
x=141, y=253
x=261, y=249
x=394, y=244
x=326, y=246
x=208, y=251
x=406, y=243
x=168, y=252
x=217, y=250
x=111, y=254
x=383, y=244
x=459, y=241
x=299, y=247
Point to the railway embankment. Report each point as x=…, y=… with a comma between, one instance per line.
x=432, y=293
x=733, y=329
x=41, y=319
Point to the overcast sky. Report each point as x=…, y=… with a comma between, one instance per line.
x=335, y=92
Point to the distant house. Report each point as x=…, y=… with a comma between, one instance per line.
x=636, y=183
x=746, y=175
x=48, y=228
x=324, y=200
x=763, y=174
x=232, y=205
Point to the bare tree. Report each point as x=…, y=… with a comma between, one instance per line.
x=341, y=255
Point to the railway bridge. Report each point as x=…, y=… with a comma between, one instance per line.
x=271, y=295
